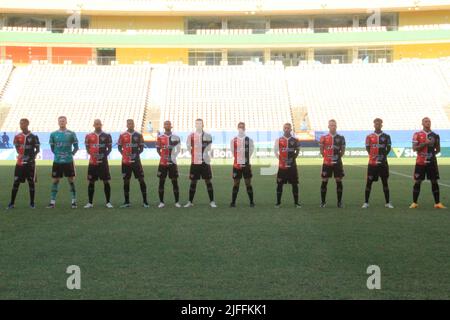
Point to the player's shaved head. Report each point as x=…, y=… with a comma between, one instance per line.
x=24, y=122
x=130, y=125
x=426, y=123
x=332, y=126
x=167, y=125
x=378, y=120
x=287, y=128
x=241, y=125
x=98, y=124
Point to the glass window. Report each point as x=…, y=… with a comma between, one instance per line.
x=289, y=57
x=327, y=55
x=59, y=23
x=289, y=22
x=237, y=57
x=322, y=23
x=203, y=23
x=373, y=54
x=209, y=57
x=25, y=21
x=106, y=55
x=258, y=25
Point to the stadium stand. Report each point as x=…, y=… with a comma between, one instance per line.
x=355, y=94
x=264, y=96
x=82, y=93
x=5, y=71
x=222, y=96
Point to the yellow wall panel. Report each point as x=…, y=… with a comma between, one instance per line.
x=424, y=17
x=154, y=55
x=423, y=51
x=123, y=22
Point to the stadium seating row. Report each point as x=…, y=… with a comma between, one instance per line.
x=228, y=31
x=82, y=93
x=401, y=93
x=25, y=29
x=264, y=96
x=358, y=29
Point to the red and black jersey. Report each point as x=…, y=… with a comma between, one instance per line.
x=168, y=146
x=27, y=146
x=98, y=146
x=426, y=154
x=131, y=145
x=378, y=145
x=199, y=144
x=332, y=148
x=287, y=149
x=242, y=149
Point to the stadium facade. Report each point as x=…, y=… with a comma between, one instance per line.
x=263, y=62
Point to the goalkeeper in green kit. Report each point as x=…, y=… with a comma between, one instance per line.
x=64, y=145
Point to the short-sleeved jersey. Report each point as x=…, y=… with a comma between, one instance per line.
x=200, y=144
x=242, y=148
x=286, y=148
x=379, y=146
x=427, y=153
x=332, y=148
x=98, y=146
x=27, y=146
x=132, y=145
x=61, y=142
x=169, y=146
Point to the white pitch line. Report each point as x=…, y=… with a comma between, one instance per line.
x=403, y=175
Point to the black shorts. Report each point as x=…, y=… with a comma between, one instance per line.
x=99, y=171
x=200, y=171
x=132, y=168
x=430, y=170
x=336, y=170
x=26, y=172
x=171, y=170
x=381, y=170
x=245, y=172
x=289, y=175
x=60, y=170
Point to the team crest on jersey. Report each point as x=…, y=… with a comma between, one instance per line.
x=29, y=139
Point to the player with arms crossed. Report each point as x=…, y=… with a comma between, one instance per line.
x=332, y=148
x=98, y=146
x=286, y=150
x=199, y=145
x=242, y=149
x=378, y=146
x=131, y=145
x=64, y=145
x=27, y=147
x=168, y=146
x=427, y=144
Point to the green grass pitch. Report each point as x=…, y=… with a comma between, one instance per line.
x=224, y=253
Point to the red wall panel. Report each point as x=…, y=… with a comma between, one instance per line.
x=76, y=55
x=26, y=54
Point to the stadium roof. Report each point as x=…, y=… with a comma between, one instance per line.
x=199, y=7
